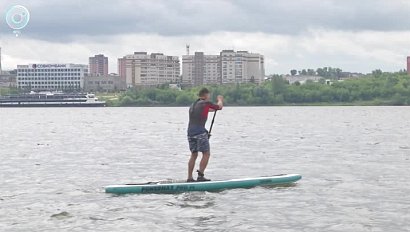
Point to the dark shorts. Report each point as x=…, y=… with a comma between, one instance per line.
x=199, y=143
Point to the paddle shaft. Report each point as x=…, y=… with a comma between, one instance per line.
x=212, y=124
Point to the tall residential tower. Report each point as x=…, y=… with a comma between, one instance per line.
x=241, y=67
x=98, y=65
x=199, y=69
x=143, y=69
x=227, y=67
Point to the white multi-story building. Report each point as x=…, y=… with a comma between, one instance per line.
x=51, y=77
x=143, y=69
x=200, y=69
x=241, y=67
x=227, y=67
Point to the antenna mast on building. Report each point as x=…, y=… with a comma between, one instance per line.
x=187, y=49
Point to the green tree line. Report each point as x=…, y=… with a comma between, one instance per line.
x=327, y=72
x=373, y=89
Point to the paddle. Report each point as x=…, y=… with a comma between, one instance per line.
x=212, y=124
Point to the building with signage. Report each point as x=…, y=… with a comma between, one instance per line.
x=98, y=65
x=227, y=67
x=50, y=77
x=104, y=83
x=143, y=69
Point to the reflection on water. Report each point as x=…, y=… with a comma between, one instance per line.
x=195, y=200
x=198, y=204
x=354, y=162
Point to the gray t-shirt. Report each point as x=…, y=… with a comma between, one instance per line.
x=198, y=114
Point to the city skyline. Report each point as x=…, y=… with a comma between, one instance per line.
x=144, y=69
x=103, y=67
x=349, y=34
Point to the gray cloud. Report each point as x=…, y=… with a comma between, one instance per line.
x=355, y=35
x=351, y=51
x=55, y=20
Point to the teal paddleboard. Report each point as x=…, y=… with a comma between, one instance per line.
x=176, y=187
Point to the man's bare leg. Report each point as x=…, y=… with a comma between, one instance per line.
x=191, y=164
x=204, y=161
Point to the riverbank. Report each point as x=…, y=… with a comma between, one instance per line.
x=385, y=89
x=113, y=100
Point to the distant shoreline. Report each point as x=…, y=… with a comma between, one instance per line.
x=283, y=105
x=383, y=89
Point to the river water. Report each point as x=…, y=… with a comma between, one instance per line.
x=355, y=163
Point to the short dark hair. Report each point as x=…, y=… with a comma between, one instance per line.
x=203, y=91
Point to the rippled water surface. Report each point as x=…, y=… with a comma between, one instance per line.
x=355, y=163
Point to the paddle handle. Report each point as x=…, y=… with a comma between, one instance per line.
x=212, y=124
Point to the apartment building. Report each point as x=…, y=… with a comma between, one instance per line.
x=143, y=69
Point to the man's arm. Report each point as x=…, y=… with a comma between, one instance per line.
x=218, y=105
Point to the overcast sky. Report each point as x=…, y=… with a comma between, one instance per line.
x=355, y=35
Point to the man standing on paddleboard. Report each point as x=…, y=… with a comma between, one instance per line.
x=198, y=136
